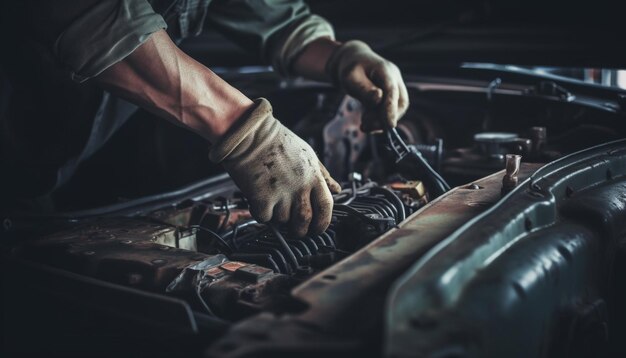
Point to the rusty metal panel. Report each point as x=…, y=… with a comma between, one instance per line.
x=375, y=266
x=129, y=252
x=124, y=251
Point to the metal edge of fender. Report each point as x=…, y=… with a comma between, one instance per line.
x=435, y=282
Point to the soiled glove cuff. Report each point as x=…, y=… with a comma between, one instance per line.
x=348, y=50
x=250, y=122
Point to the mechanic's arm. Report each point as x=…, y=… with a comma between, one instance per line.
x=297, y=42
x=161, y=78
x=363, y=74
x=277, y=171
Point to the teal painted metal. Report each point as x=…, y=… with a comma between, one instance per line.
x=497, y=285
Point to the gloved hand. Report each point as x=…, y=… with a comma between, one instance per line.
x=371, y=79
x=277, y=171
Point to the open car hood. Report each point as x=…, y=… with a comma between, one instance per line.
x=426, y=32
x=537, y=272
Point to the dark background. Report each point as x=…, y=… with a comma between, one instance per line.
x=533, y=32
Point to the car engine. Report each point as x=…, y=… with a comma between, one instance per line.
x=190, y=270
x=211, y=252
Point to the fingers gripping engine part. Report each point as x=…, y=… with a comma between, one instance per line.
x=361, y=213
x=347, y=148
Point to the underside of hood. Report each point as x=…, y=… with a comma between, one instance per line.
x=450, y=32
x=533, y=32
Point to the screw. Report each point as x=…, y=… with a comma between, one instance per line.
x=509, y=181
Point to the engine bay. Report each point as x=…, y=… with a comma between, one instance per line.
x=201, y=246
x=212, y=253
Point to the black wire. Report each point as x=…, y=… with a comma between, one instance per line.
x=224, y=223
x=434, y=182
x=328, y=238
x=349, y=210
x=364, y=189
x=214, y=235
x=353, y=196
x=231, y=235
x=200, y=227
x=283, y=243
x=203, y=302
x=391, y=195
x=235, y=232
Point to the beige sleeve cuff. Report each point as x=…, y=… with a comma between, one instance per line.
x=290, y=45
x=105, y=35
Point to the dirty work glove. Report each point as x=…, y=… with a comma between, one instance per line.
x=277, y=171
x=371, y=79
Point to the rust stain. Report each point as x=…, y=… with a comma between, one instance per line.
x=233, y=266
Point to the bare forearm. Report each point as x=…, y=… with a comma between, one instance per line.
x=312, y=61
x=161, y=78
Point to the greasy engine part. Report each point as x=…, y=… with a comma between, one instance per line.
x=489, y=151
x=347, y=149
x=213, y=254
x=232, y=289
x=488, y=154
x=345, y=301
x=343, y=140
x=411, y=158
x=361, y=213
x=260, y=244
x=368, y=212
x=126, y=251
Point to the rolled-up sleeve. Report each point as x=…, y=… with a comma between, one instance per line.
x=104, y=35
x=276, y=30
x=286, y=48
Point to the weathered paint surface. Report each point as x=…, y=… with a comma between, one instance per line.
x=529, y=277
x=375, y=266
